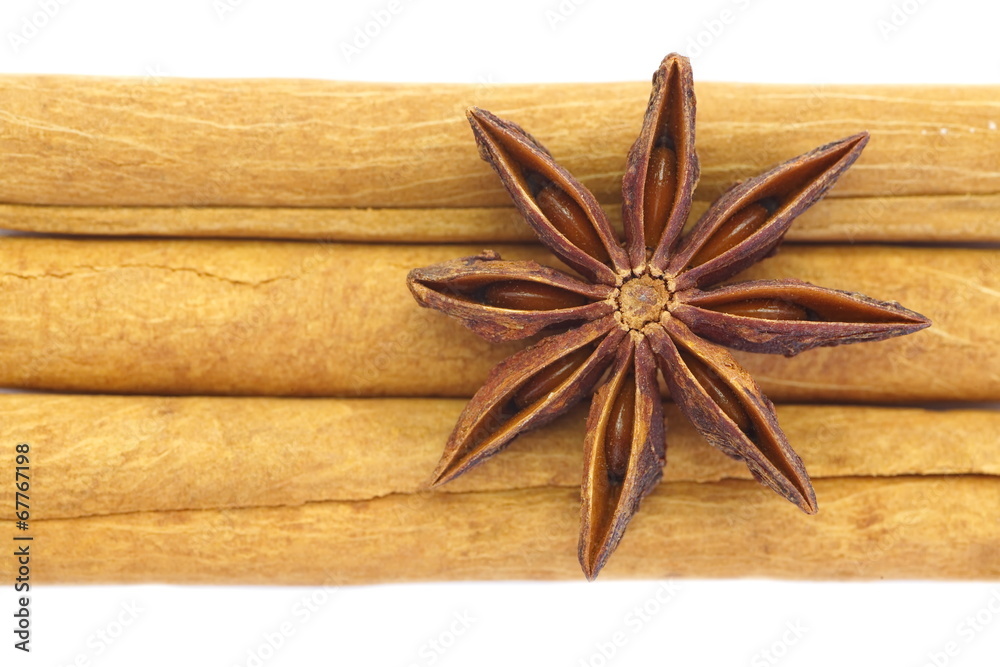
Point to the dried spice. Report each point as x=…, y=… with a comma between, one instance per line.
x=643, y=308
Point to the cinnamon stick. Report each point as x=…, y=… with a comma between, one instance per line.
x=117, y=454
x=266, y=490
x=230, y=490
x=195, y=142
x=270, y=318
x=900, y=528
x=941, y=218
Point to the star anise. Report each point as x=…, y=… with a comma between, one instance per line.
x=642, y=307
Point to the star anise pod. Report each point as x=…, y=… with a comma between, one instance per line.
x=643, y=307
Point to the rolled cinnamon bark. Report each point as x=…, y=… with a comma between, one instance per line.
x=197, y=142
x=264, y=490
x=867, y=528
x=952, y=218
x=269, y=318
x=116, y=454
x=231, y=490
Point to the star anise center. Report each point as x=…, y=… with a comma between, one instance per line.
x=641, y=301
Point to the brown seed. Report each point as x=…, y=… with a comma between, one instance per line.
x=764, y=309
x=739, y=227
x=618, y=438
x=492, y=420
x=567, y=216
x=550, y=377
x=718, y=390
x=529, y=295
x=829, y=310
x=658, y=199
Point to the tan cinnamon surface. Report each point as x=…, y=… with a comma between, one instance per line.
x=118, y=454
x=199, y=142
x=867, y=528
x=330, y=490
x=270, y=318
x=264, y=490
x=941, y=218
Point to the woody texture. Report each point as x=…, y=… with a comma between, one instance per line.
x=660, y=304
x=224, y=378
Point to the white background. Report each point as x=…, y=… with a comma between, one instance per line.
x=704, y=622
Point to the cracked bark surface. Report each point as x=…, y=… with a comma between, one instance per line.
x=903, y=527
x=935, y=218
x=140, y=489
x=119, y=454
x=332, y=319
x=124, y=142
x=267, y=490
